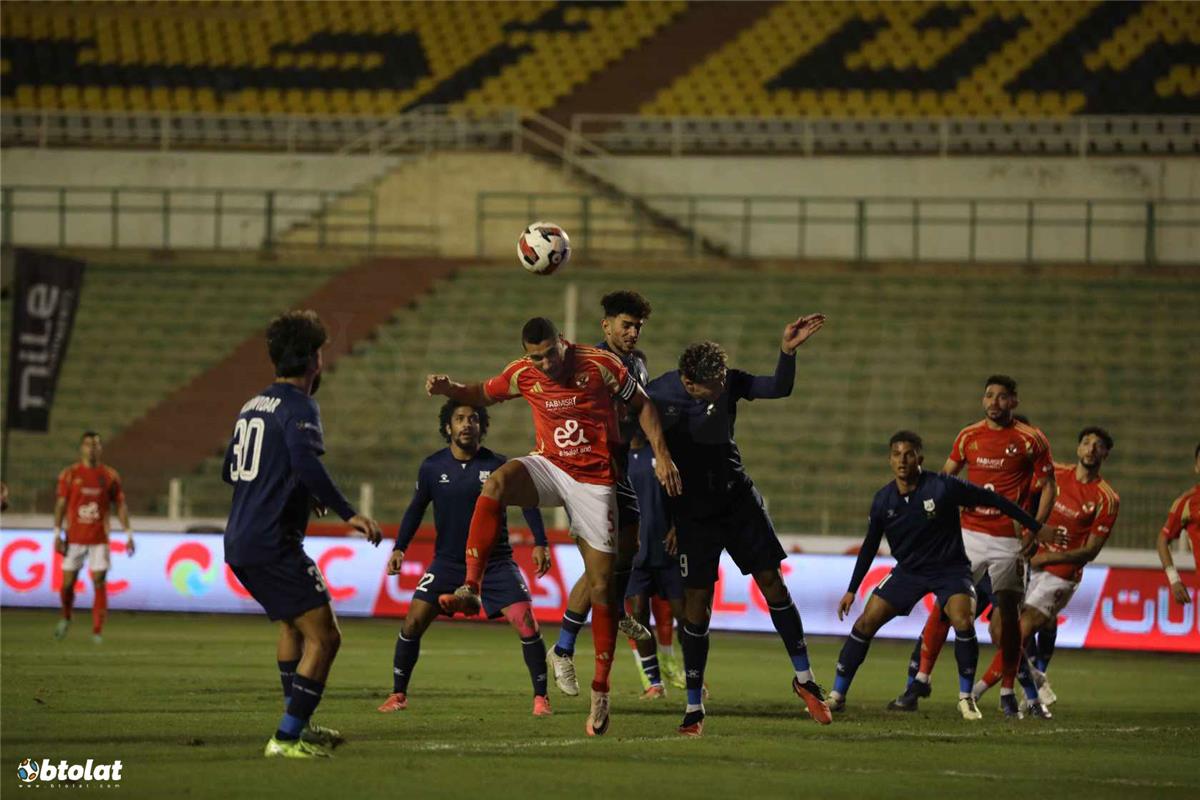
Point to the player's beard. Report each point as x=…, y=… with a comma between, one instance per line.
x=316, y=384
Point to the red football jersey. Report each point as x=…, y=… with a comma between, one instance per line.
x=1185, y=516
x=1083, y=510
x=1013, y=461
x=90, y=492
x=575, y=422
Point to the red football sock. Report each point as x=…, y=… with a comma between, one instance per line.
x=604, y=638
x=67, y=596
x=664, y=623
x=992, y=676
x=99, y=608
x=1010, y=651
x=485, y=527
x=933, y=636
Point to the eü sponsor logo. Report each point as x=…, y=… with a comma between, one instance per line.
x=31, y=771
x=191, y=570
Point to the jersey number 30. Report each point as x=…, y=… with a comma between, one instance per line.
x=247, y=447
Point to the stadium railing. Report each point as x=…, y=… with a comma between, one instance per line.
x=972, y=229
x=1079, y=136
x=214, y=218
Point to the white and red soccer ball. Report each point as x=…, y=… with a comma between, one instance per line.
x=543, y=247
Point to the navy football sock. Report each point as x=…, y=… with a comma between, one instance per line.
x=1046, y=639
x=306, y=694
x=786, y=619
x=966, y=654
x=914, y=663
x=404, y=661
x=1026, y=680
x=287, y=671
x=695, y=658
x=651, y=669
x=534, y=650
x=571, y=623
x=854, y=651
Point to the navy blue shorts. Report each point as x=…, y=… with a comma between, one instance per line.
x=285, y=588
x=628, y=513
x=744, y=530
x=664, y=581
x=502, y=584
x=903, y=590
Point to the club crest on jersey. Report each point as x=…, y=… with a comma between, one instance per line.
x=582, y=380
x=444, y=479
x=484, y=474
x=930, y=508
x=1011, y=450
x=1089, y=507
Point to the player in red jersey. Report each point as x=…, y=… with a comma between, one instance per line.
x=1184, y=516
x=86, y=492
x=576, y=394
x=1007, y=457
x=1084, y=513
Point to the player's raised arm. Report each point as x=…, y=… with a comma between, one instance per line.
x=968, y=494
x=1176, y=521
x=770, y=387
x=469, y=394
x=664, y=468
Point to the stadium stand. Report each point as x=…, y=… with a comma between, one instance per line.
x=950, y=59
x=141, y=332
x=1086, y=350
x=310, y=57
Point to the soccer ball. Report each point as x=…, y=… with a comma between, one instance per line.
x=27, y=770
x=543, y=247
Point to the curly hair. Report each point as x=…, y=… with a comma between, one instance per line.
x=1001, y=380
x=1102, y=434
x=292, y=339
x=626, y=302
x=447, y=411
x=703, y=361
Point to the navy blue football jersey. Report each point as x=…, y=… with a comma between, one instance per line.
x=700, y=434
x=453, y=487
x=652, y=502
x=635, y=362
x=923, y=528
x=273, y=463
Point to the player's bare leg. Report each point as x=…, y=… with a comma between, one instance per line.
x=1031, y=620
x=960, y=610
x=99, y=604
x=66, y=596
x=320, y=640
x=627, y=547
x=694, y=642
x=421, y=615
x=562, y=655
x=786, y=619
x=878, y=613
x=520, y=616
x=598, y=569
x=511, y=485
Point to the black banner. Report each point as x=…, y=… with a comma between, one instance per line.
x=46, y=293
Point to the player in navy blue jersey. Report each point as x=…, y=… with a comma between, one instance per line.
x=625, y=313
x=451, y=479
x=720, y=509
x=918, y=512
x=273, y=463
x=656, y=566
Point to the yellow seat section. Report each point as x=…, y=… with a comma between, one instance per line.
x=343, y=57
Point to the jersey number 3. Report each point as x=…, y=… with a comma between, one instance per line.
x=247, y=447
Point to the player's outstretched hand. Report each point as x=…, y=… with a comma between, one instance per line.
x=844, y=606
x=1029, y=543
x=1180, y=593
x=367, y=527
x=130, y=549
x=60, y=544
x=437, y=384
x=541, y=560
x=395, y=562
x=796, y=333
x=668, y=475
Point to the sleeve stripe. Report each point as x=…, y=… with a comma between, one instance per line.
x=629, y=388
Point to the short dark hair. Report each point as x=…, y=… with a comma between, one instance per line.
x=703, y=361
x=292, y=340
x=1001, y=380
x=911, y=437
x=447, y=412
x=88, y=434
x=626, y=302
x=1100, y=432
x=539, y=329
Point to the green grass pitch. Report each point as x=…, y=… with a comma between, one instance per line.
x=188, y=701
